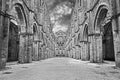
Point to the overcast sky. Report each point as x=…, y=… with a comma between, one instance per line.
x=60, y=13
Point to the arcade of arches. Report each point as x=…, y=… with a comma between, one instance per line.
x=27, y=34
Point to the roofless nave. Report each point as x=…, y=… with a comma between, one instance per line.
x=33, y=30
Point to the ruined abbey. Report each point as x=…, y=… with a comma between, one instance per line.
x=29, y=31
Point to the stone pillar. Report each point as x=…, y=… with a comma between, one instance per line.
x=39, y=51
x=43, y=53
x=74, y=53
x=69, y=53
x=84, y=54
x=96, y=51
x=117, y=50
x=30, y=47
x=116, y=39
x=87, y=54
x=25, y=52
x=4, y=49
x=36, y=50
x=99, y=49
x=77, y=53
x=92, y=50
x=116, y=30
x=82, y=50
x=55, y=52
x=66, y=53
x=4, y=34
x=49, y=53
x=22, y=49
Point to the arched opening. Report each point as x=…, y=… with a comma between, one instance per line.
x=104, y=27
x=13, y=44
x=107, y=41
x=16, y=27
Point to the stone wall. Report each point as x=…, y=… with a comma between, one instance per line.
x=95, y=34
x=84, y=40
x=4, y=23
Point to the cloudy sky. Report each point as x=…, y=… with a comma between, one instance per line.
x=60, y=13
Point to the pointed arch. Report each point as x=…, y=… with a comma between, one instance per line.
x=20, y=19
x=103, y=34
x=21, y=16
x=85, y=33
x=103, y=11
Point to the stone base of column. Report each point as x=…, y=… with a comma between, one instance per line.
x=2, y=63
x=118, y=59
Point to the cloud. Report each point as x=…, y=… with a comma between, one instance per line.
x=53, y=3
x=57, y=27
x=60, y=13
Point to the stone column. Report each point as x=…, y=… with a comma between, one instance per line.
x=36, y=50
x=99, y=49
x=116, y=39
x=92, y=43
x=116, y=30
x=74, y=53
x=30, y=47
x=69, y=53
x=25, y=53
x=87, y=50
x=82, y=51
x=40, y=50
x=84, y=47
x=4, y=34
x=117, y=50
x=77, y=53
x=22, y=49
x=96, y=51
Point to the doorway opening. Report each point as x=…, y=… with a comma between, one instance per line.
x=104, y=26
x=108, y=45
x=13, y=44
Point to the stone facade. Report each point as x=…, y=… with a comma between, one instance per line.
x=23, y=24
x=99, y=30
x=93, y=35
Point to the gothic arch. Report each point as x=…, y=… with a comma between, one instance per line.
x=103, y=34
x=20, y=20
x=103, y=11
x=19, y=15
x=17, y=10
x=85, y=55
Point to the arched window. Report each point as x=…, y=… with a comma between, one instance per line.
x=34, y=28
